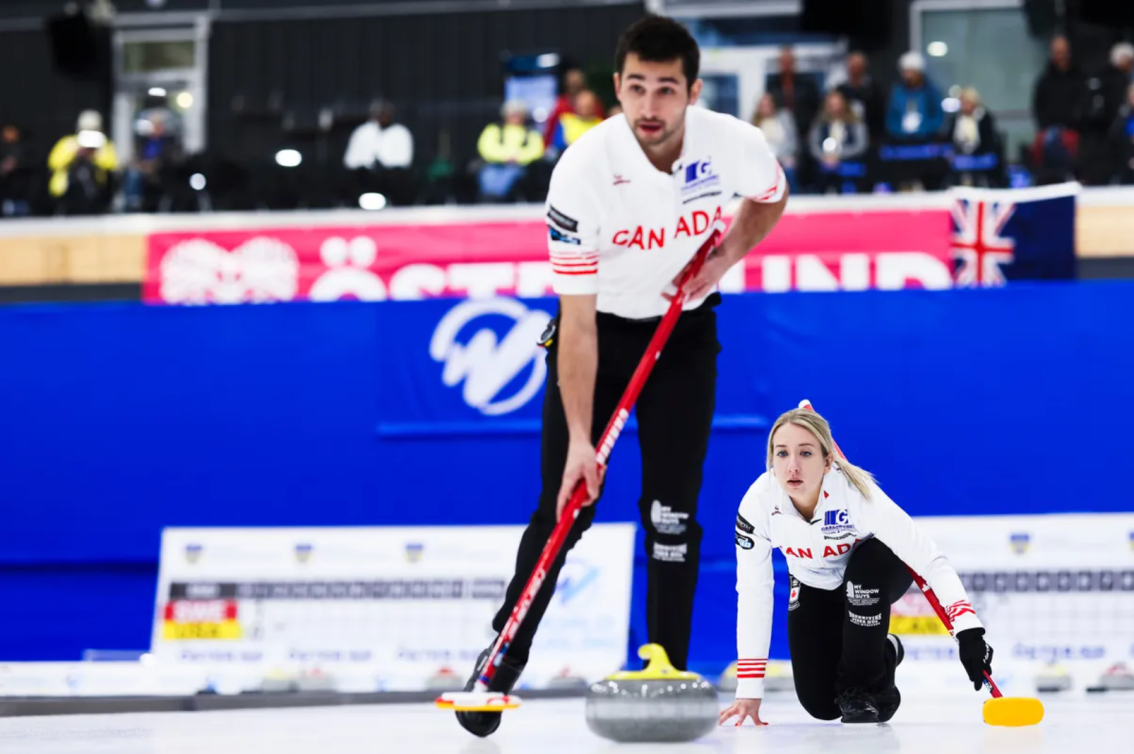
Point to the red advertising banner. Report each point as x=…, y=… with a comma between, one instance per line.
x=810, y=251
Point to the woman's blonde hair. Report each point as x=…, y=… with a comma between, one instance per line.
x=757, y=118
x=818, y=426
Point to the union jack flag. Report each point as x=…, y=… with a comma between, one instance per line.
x=1014, y=234
x=979, y=244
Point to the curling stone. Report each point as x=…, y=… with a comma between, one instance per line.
x=277, y=681
x=1116, y=678
x=1052, y=679
x=779, y=677
x=727, y=681
x=445, y=679
x=567, y=679
x=658, y=704
x=315, y=681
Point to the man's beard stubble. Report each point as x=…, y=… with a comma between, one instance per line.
x=661, y=138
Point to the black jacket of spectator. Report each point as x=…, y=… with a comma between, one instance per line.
x=804, y=104
x=1115, y=83
x=1058, y=97
x=1103, y=95
x=869, y=94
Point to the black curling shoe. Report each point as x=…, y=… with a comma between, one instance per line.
x=858, y=706
x=484, y=724
x=889, y=700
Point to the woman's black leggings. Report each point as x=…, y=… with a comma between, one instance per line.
x=838, y=638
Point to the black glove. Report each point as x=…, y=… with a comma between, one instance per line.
x=975, y=654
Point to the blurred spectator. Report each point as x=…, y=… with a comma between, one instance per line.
x=82, y=168
x=157, y=148
x=914, y=113
x=972, y=132
x=380, y=156
x=15, y=174
x=1059, y=92
x=1057, y=103
x=507, y=150
x=583, y=117
x=1122, y=135
x=574, y=81
x=864, y=96
x=837, y=136
x=796, y=93
x=972, y=129
x=1099, y=158
x=1118, y=76
x=780, y=130
x=380, y=142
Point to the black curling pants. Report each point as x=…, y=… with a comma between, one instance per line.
x=674, y=412
x=838, y=638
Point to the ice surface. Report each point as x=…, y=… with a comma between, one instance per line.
x=924, y=724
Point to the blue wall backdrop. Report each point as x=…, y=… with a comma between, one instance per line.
x=117, y=420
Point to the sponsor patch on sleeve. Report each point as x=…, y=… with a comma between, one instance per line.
x=561, y=237
x=743, y=525
x=744, y=543
x=565, y=222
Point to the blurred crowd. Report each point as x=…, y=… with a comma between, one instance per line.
x=855, y=137
x=844, y=135
x=85, y=174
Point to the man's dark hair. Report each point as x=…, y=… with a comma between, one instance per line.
x=657, y=39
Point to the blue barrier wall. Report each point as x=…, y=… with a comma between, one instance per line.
x=116, y=420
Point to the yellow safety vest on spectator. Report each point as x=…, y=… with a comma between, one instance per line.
x=510, y=143
x=63, y=154
x=574, y=126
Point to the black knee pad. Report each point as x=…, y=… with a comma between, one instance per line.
x=868, y=561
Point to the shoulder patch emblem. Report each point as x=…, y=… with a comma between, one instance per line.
x=567, y=223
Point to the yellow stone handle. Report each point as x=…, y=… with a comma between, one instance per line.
x=658, y=663
x=658, y=667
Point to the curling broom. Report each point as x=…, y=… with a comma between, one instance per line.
x=480, y=699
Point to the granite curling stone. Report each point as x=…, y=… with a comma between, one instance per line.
x=655, y=705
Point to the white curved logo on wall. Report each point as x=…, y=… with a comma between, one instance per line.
x=487, y=365
x=261, y=269
x=348, y=271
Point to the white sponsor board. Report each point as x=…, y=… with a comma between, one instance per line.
x=1052, y=588
x=379, y=608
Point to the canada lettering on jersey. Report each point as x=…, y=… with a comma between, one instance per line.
x=828, y=551
x=654, y=238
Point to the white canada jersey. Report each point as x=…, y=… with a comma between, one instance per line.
x=817, y=552
x=622, y=229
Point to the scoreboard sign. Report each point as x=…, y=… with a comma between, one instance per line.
x=401, y=607
x=1055, y=588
